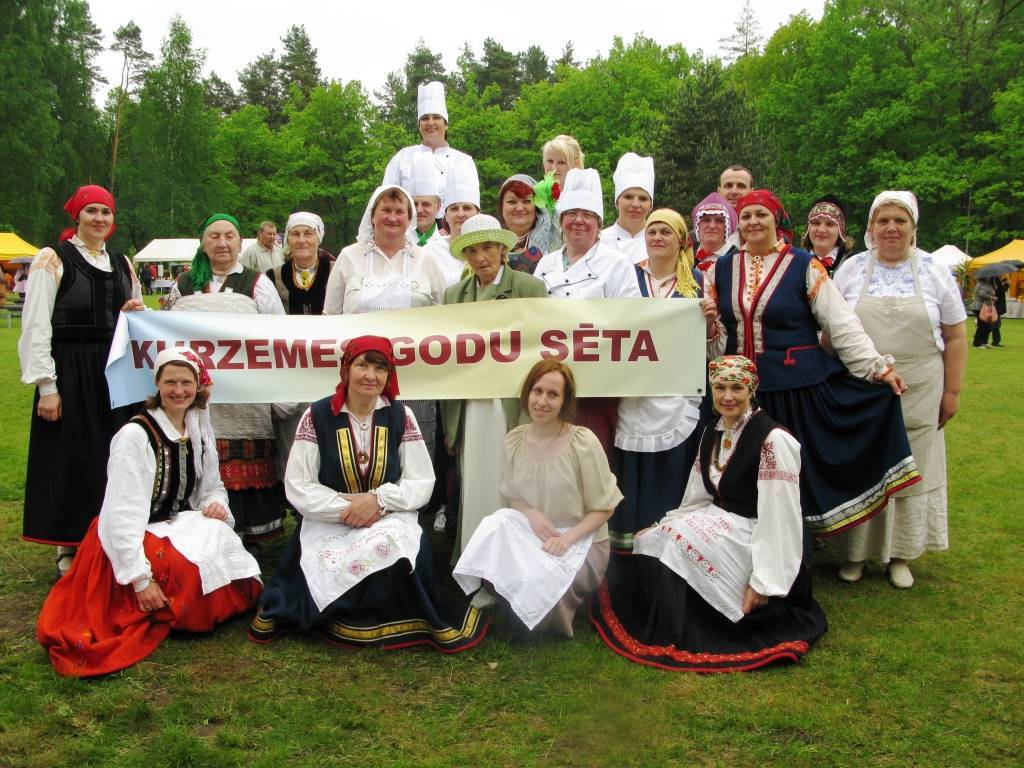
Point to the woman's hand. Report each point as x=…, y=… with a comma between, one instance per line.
x=557, y=545
x=711, y=317
x=362, y=512
x=752, y=599
x=948, y=407
x=895, y=381
x=152, y=598
x=215, y=510
x=542, y=528
x=133, y=305
x=49, y=408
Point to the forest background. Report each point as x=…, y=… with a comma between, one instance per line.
x=877, y=94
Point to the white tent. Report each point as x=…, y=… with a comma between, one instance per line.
x=950, y=256
x=179, y=251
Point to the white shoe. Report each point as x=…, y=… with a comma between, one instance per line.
x=851, y=571
x=440, y=521
x=900, y=575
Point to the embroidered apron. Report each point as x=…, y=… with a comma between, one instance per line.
x=901, y=327
x=386, y=292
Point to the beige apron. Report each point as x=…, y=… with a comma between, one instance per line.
x=901, y=327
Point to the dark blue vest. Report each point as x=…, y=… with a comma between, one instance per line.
x=338, y=467
x=791, y=356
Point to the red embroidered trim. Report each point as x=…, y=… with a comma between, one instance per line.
x=412, y=432
x=306, y=431
x=244, y=475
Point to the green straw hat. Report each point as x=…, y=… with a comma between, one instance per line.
x=481, y=229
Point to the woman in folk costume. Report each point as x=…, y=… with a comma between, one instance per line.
x=218, y=282
x=162, y=555
x=722, y=583
x=301, y=283
x=547, y=550
x=77, y=289
x=714, y=222
x=911, y=308
x=634, y=198
x=432, y=118
x=585, y=268
x=769, y=301
x=535, y=228
x=826, y=233
x=656, y=437
x=358, y=568
x=475, y=429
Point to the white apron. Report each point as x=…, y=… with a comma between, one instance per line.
x=380, y=294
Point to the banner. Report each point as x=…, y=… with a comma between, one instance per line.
x=616, y=347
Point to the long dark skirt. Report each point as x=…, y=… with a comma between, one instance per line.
x=67, y=458
x=392, y=608
x=854, y=452
x=651, y=485
x=647, y=613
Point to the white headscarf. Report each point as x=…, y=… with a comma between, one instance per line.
x=197, y=420
x=366, y=226
x=905, y=200
x=308, y=219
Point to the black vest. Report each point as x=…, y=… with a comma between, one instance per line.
x=88, y=299
x=296, y=300
x=737, y=487
x=338, y=467
x=175, y=471
x=243, y=282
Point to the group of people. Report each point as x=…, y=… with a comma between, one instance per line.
x=685, y=521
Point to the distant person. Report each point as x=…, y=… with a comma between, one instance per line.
x=986, y=293
x=432, y=118
x=21, y=281
x=265, y=253
x=146, y=278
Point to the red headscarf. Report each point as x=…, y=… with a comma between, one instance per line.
x=353, y=349
x=84, y=196
x=783, y=226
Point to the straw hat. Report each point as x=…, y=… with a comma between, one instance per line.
x=481, y=229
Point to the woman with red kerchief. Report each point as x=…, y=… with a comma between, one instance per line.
x=358, y=568
x=75, y=291
x=767, y=302
x=162, y=554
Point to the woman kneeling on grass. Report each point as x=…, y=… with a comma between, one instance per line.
x=358, y=568
x=548, y=550
x=162, y=554
x=724, y=585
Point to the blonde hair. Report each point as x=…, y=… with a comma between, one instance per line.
x=568, y=148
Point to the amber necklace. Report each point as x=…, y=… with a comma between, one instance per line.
x=303, y=277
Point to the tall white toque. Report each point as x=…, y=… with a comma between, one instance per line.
x=462, y=185
x=430, y=100
x=582, y=191
x=425, y=178
x=634, y=171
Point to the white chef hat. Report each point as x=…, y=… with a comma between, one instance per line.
x=462, y=185
x=582, y=191
x=430, y=100
x=424, y=177
x=634, y=171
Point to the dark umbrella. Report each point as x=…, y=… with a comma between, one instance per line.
x=1000, y=268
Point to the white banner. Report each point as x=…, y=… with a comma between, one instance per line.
x=616, y=347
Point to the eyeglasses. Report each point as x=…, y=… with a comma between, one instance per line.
x=579, y=213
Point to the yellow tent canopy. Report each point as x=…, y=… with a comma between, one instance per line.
x=12, y=246
x=1012, y=250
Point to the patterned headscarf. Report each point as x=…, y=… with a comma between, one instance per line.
x=783, y=225
x=685, y=284
x=186, y=357
x=90, y=193
x=353, y=349
x=202, y=271
x=715, y=205
x=733, y=368
x=829, y=208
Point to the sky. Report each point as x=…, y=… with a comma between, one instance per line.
x=364, y=41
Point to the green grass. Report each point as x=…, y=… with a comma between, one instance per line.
x=931, y=676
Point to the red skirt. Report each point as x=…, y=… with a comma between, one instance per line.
x=91, y=625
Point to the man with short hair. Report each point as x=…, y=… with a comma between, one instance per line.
x=734, y=183
x=265, y=253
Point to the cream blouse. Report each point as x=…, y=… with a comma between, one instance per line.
x=566, y=487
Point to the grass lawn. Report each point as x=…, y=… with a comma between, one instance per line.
x=931, y=676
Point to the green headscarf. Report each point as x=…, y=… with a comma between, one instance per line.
x=202, y=270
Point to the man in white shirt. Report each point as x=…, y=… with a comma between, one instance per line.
x=265, y=253
x=733, y=183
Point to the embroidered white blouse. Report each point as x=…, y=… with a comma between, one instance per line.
x=344, y=286
x=602, y=272
x=34, y=351
x=776, y=543
x=938, y=287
